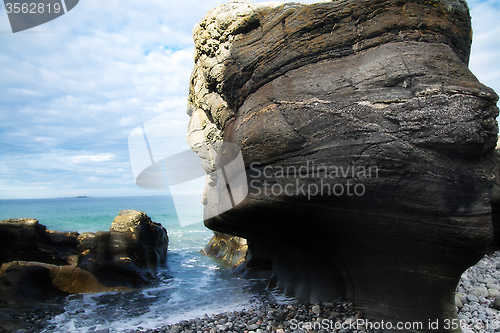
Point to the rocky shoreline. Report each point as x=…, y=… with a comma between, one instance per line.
x=477, y=300
x=40, y=267
x=477, y=303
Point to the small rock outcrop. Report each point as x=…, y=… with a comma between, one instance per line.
x=40, y=265
x=126, y=255
x=231, y=249
x=368, y=146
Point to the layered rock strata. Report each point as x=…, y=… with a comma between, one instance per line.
x=368, y=146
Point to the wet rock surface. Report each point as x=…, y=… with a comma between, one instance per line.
x=31, y=321
x=368, y=146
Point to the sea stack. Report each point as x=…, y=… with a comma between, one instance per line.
x=368, y=146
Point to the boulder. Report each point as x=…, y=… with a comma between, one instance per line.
x=128, y=254
x=368, y=146
x=231, y=249
x=235, y=251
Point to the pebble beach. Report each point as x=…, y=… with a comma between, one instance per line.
x=477, y=303
x=478, y=296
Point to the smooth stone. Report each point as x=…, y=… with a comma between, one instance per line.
x=472, y=298
x=252, y=327
x=480, y=291
x=458, y=302
x=491, y=312
x=493, y=292
x=316, y=309
x=493, y=286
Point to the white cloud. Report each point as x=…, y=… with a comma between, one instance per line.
x=91, y=158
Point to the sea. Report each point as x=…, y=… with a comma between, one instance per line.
x=191, y=285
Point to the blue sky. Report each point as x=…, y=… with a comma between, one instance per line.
x=73, y=89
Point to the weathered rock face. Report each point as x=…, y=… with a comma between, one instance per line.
x=368, y=143
x=128, y=254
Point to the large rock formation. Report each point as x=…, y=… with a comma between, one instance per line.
x=368, y=146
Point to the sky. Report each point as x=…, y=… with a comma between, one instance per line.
x=72, y=90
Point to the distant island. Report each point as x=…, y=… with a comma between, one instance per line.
x=82, y=196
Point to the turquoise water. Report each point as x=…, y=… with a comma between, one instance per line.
x=190, y=286
x=88, y=214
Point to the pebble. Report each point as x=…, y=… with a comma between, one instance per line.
x=316, y=309
x=491, y=312
x=472, y=298
x=458, y=302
